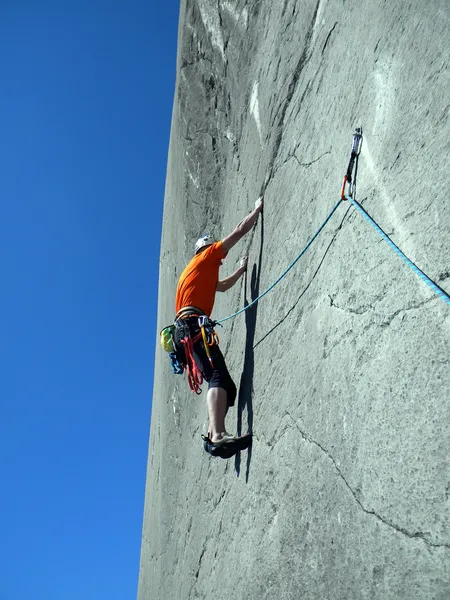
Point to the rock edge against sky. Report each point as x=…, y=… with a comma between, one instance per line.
x=343, y=369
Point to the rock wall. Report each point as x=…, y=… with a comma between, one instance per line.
x=343, y=369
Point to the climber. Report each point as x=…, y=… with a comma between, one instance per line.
x=195, y=297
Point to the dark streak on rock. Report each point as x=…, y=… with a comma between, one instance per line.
x=376, y=47
x=415, y=306
x=355, y=311
x=308, y=164
x=396, y=160
x=200, y=561
x=283, y=12
x=328, y=37
x=418, y=535
x=303, y=60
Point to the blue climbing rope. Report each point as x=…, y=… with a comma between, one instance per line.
x=286, y=271
x=350, y=182
x=436, y=289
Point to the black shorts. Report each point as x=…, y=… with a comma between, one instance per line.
x=217, y=375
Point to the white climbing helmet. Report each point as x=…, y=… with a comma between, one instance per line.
x=206, y=240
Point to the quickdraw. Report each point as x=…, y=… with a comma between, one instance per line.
x=350, y=176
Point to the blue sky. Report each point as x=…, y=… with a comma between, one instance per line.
x=85, y=109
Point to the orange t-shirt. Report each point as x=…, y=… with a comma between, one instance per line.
x=198, y=282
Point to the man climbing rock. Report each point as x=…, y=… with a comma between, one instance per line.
x=194, y=334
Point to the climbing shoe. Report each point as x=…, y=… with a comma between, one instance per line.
x=227, y=446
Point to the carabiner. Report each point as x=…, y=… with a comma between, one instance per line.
x=343, y=197
x=202, y=320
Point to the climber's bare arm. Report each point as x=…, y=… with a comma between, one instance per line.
x=225, y=284
x=244, y=227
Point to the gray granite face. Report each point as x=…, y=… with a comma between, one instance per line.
x=343, y=369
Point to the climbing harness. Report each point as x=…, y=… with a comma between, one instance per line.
x=207, y=334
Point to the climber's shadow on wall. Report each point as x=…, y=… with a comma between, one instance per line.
x=246, y=383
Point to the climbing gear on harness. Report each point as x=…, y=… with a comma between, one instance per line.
x=208, y=336
x=206, y=240
x=177, y=367
x=166, y=337
x=194, y=375
x=352, y=169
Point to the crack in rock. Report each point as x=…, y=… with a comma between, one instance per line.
x=308, y=164
x=370, y=307
x=291, y=19
x=216, y=504
x=415, y=535
x=328, y=37
x=198, y=569
x=200, y=560
x=244, y=8
x=302, y=62
x=197, y=133
x=413, y=306
x=201, y=56
x=405, y=309
x=356, y=311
